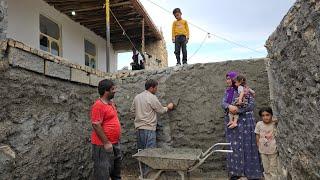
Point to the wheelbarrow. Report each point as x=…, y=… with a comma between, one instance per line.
x=179, y=160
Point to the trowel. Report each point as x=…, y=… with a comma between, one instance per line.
x=175, y=102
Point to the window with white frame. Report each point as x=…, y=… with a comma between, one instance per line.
x=50, y=36
x=90, y=54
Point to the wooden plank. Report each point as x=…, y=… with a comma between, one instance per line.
x=122, y=46
x=132, y=36
x=128, y=29
x=86, y=21
x=120, y=4
x=138, y=6
x=90, y=14
x=83, y=10
x=76, y=5
x=93, y=26
x=142, y=36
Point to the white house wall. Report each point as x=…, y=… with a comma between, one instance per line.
x=23, y=25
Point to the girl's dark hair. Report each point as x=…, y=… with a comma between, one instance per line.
x=176, y=10
x=241, y=79
x=151, y=83
x=104, y=85
x=265, y=109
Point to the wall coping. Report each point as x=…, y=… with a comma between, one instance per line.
x=49, y=57
x=11, y=43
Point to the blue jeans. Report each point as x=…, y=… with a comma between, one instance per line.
x=146, y=139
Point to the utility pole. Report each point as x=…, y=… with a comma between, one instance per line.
x=142, y=38
x=108, y=46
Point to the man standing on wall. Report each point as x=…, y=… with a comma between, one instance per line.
x=105, y=137
x=146, y=106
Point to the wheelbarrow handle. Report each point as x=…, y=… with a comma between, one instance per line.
x=224, y=151
x=209, y=152
x=213, y=147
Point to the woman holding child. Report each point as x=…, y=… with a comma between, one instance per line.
x=244, y=162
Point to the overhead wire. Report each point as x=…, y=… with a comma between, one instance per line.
x=123, y=30
x=202, y=43
x=214, y=34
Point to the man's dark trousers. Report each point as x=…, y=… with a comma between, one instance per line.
x=181, y=43
x=106, y=164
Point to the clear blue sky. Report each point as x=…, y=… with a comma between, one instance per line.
x=248, y=22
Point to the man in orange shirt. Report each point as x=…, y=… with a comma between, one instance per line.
x=105, y=137
x=180, y=36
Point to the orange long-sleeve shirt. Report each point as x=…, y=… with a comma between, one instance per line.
x=180, y=27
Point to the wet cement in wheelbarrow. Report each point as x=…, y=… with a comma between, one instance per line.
x=169, y=159
x=171, y=153
x=176, y=157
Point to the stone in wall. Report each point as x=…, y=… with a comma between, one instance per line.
x=7, y=156
x=3, y=19
x=45, y=120
x=294, y=48
x=26, y=60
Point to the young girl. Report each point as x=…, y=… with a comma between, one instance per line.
x=265, y=131
x=243, y=90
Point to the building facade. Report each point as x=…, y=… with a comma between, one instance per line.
x=75, y=30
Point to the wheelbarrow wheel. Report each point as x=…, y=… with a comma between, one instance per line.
x=152, y=175
x=182, y=174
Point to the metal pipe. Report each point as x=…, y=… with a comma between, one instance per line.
x=108, y=46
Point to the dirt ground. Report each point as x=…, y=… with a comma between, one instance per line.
x=197, y=175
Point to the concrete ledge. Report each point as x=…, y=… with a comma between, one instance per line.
x=39, y=61
x=26, y=60
x=49, y=57
x=60, y=63
x=94, y=79
x=79, y=76
x=57, y=70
